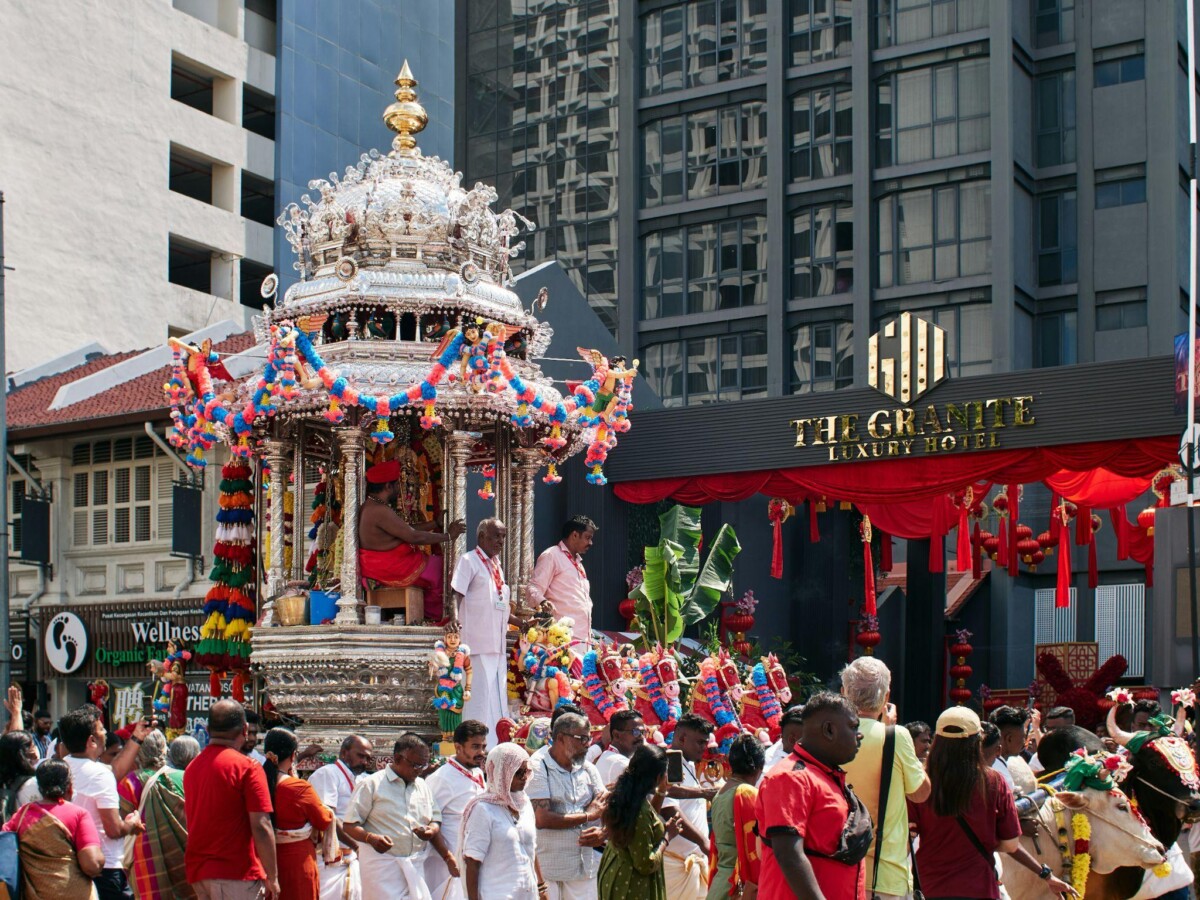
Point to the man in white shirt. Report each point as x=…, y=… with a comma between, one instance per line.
x=335, y=785
x=1012, y=723
x=628, y=732
x=568, y=803
x=454, y=785
x=685, y=861
x=480, y=595
x=791, y=726
x=83, y=734
x=560, y=581
x=392, y=815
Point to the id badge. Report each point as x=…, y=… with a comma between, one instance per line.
x=502, y=601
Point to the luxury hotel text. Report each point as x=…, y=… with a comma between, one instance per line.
x=907, y=431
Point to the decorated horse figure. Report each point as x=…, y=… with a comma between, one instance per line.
x=767, y=692
x=604, y=685
x=715, y=697
x=657, y=694
x=1086, y=833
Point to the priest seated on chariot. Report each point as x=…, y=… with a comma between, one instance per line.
x=390, y=551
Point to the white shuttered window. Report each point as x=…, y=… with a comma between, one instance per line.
x=1121, y=624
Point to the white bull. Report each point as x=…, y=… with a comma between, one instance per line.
x=1118, y=838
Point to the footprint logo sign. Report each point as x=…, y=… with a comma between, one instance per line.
x=66, y=642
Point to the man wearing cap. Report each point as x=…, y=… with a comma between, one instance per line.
x=390, y=549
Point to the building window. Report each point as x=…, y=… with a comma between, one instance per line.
x=1056, y=118
x=252, y=275
x=191, y=87
x=822, y=357
x=1057, y=239
x=17, y=488
x=258, y=112
x=1114, y=316
x=190, y=176
x=258, y=199
x=968, y=336
x=708, y=370
x=820, y=30
x=935, y=234
x=1053, y=625
x=1120, y=71
x=701, y=43
x=189, y=265
x=1053, y=22
x=115, y=488
x=703, y=154
x=1121, y=624
x=1120, y=193
x=822, y=133
x=822, y=251
x=704, y=268
x=1056, y=339
x=933, y=113
x=904, y=21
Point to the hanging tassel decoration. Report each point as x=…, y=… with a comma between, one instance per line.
x=1093, y=570
x=1121, y=529
x=1014, y=517
x=1062, y=591
x=976, y=553
x=963, y=539
x=814, y=532
x=869, y=604
x=778, y=512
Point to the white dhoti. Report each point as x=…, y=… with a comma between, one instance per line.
x=340, y=880
x=489, y=690
x=686, y=876
x=387, y=877
x=572, y=890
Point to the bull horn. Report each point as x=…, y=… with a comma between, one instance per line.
x=1115, y=731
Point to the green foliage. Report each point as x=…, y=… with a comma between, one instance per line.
x=677, y=590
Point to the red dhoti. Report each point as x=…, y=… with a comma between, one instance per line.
x=404, y=566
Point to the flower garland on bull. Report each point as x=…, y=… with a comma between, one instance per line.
x=726, y=721
x=196, y=412
x=657, y=698
x=604, y=685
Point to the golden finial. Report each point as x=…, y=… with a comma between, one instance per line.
x=406, y=116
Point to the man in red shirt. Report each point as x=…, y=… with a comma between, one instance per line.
x=801, y=824
x=231, y=842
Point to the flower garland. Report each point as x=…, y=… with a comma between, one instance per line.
x=1081, y=862
x=666, y=710
x=195, y=415
x=728, y=726
x=767, y=701
x=229, y=604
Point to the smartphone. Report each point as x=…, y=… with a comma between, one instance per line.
x=675, y=766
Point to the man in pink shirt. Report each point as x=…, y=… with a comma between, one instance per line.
x=559, y=578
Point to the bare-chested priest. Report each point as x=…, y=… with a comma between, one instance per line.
x=390, y=549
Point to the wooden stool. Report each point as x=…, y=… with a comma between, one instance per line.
x=409, y=599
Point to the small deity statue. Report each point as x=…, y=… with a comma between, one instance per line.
x=376, y=327
x=545, y=667
x=175, y=686
x=337, y=327
x=450, y=666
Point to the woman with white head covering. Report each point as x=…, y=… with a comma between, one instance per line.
x=499, y=837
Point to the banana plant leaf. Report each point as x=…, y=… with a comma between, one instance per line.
x=676, y=591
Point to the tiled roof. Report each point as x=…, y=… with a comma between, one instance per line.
x=960, y=586
x=29, y=405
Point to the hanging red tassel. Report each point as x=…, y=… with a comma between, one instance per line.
x=1055, y=519
x=1093, y=572
x=1062, y=593
x=1002, y=550
x=1121, y=528
x=778, y=512
x=1014, y=516
x=937, y=553
x=1083, y=526
x=814, y=533
x=976, y=555
x=214, y=684
x=963, y=549
x=869, y=606
x=885, y=551
x=237, y=687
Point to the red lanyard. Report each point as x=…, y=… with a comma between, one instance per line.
x=575, y=562
x=494, y=569
x=346, y=775
x=474, y=776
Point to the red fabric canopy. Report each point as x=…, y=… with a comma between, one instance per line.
x=1096, y=474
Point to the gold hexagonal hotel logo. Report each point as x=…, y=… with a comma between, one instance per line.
x=907, y=358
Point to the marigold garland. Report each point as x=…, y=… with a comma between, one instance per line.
x=1081, y=863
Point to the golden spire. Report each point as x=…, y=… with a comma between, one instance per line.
x=406, y=116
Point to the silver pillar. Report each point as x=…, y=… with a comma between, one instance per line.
x=277, y=453
x=350, y=443
x=521, y=534
x=454, y=482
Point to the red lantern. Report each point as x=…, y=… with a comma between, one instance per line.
x=1145, y=520
x=1046, y=542
x=1027, y=547
x=959, y=670
x=868, y=636
x=976, y=510
x=1024, y=532
x=1000, y=504
x=963, y=671
x=1035, y=560
x=735, y=621
x=991, y=544
x=742, y=647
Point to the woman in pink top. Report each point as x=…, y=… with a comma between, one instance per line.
x=57, y=840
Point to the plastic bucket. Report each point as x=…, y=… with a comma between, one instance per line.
x=322, y=607
x=374, y=615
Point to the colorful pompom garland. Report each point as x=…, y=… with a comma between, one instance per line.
x=728, y=726
x=768, y=702
x=594, y=685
